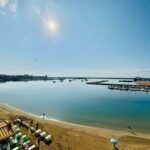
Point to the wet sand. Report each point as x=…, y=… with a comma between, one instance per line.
x=68, y=136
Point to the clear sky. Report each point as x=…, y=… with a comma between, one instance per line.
x=75, y=37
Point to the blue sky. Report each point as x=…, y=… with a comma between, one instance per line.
x=75, y=38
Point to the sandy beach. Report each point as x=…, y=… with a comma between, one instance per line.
x=67, y=136
x=143, y=83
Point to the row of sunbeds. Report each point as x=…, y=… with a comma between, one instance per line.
x=20, y=141
x=41, y=135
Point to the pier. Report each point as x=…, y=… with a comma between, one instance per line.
x=129, y=88
x=122, y=87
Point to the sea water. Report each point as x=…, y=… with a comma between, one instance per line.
x=81, y=103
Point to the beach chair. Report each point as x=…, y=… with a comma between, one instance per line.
x=23, y=123
x=16, y=148
x=42, y=135
x=27, y=125
x=13, y=141
x=38, y=132
x=33, y=147
x=18, y=136
x=15, y=121
x=48, y=139
x=17, y=130
x=18, y=120
x=14, y=126
x=27, y=142
x=25, y=138
x=32, y=129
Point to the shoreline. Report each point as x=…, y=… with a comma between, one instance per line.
x=70, y=136
x=110, y=131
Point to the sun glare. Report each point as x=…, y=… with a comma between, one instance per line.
x=51, y=26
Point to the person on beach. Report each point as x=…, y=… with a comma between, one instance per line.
x=129, y=127
x=43, y=116
x=37, y=125
x=31, y=123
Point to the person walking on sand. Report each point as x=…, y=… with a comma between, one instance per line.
x=43, y=116
x=129, y=127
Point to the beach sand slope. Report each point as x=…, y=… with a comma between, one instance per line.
x=67, y=136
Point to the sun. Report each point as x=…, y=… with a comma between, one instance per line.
x=51, y=26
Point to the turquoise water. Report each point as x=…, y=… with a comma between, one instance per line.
x=78, y=102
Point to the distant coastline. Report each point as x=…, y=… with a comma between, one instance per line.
x=26, y=77
x=16, y=78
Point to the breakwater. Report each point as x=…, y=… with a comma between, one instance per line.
x=122, y=87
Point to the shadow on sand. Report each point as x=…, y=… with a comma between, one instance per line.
x=115, y=148
x=132, y=132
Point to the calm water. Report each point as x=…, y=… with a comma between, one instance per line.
x=77, y=102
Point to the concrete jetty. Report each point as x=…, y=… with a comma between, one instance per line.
x=122, y=87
